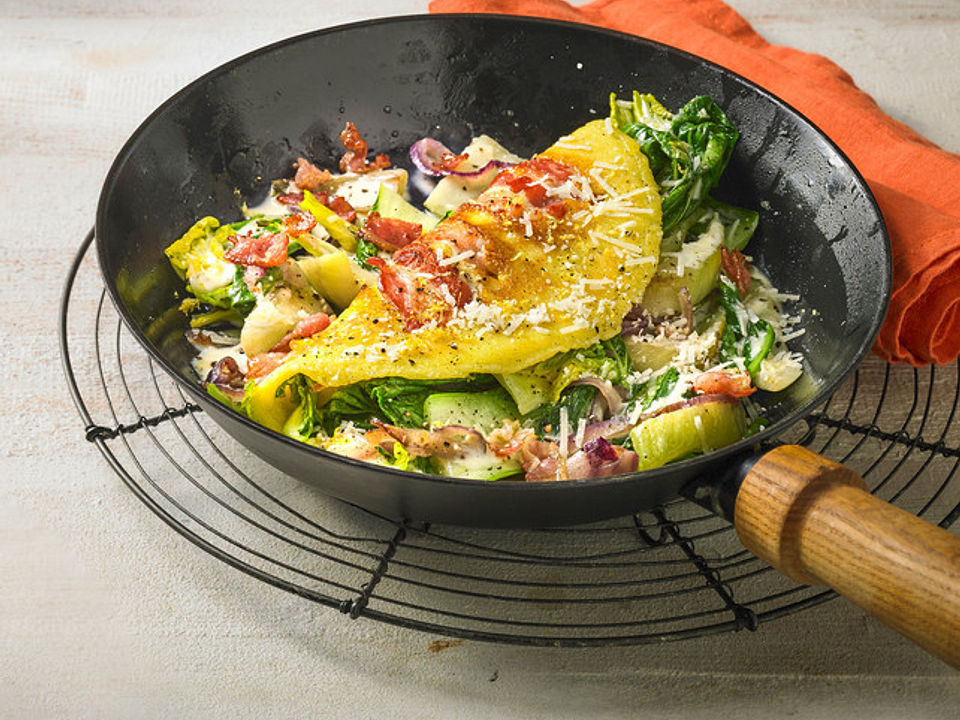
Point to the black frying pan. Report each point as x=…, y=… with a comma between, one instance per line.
x=524, y=82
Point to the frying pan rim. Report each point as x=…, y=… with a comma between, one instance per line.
x=692, y=465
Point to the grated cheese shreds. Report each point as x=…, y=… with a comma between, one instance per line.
x=608, y=166
x=638, y=260
x=564, y=432
x=623, y=245
x=581, y=429
x=630, y=194
x=595, y=173
x=527, y=226
x=453, y=259
x=793, y=335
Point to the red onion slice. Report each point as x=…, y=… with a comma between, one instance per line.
x=607, y=391
x=615, y=427
x=601, y=459
x=227, y=376
x=428, y=155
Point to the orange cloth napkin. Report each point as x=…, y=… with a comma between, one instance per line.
x=917, y=184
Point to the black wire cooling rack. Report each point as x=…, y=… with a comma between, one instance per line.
x=676, y=572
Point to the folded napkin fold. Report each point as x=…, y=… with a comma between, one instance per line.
x=916, y=183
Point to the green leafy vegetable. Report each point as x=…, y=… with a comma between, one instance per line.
x=607, y=360
x=303, y=422
x=398, y=458
x=401, y=400
x=687, y=151
x=402, y=460
x=659, y=387
x=616, y=349
x=270, y=278
x=347, y=403
x=189, y=254
x=235, y=296
x=365, y=251
x=577, y=400
x=756, y=425
x=647, y=121
x=730, y=302
x=739, y=223
x=754, y=344
x=398, y=401
x=757, y=346
x=217, y=394
x=216, y=317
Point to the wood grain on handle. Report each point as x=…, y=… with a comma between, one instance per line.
x=815, y=521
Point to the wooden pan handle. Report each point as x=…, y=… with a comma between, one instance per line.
x=815, y=521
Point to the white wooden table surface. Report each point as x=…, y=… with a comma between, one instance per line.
x=106, y=613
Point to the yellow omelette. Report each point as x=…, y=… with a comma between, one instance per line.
x=540, y=282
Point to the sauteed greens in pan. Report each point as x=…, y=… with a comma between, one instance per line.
x=585, y=312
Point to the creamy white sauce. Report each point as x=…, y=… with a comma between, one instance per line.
x=216, y=273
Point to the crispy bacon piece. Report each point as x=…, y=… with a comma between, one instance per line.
x=338, y=204
x=421, y=259
x=355, y=159
x=389, y=233
x=398, y=287
x=539, y=459
x=290, y=198
x=268, y=250
x=507, y=439
x=307, y=327
x=449, y=161
x=309, y=176
x=263, y=364
x=558, y=172
x=718, y=382
x=420, y=289
x=299, y=223
x=736, y=267
x=466, y=237
x=342, y=207
x=600, y=458
x=449, y=441
x=532, y=177
x=557, y=208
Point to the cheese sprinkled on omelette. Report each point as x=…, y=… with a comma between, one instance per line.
x=540, y=282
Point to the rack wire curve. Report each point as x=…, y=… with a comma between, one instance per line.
x=673, y=573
